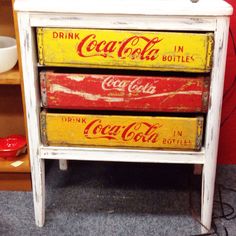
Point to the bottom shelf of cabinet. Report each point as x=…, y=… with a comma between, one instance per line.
x=122, y=155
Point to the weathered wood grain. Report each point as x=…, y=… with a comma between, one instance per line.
x=152, y=50
x=126, y=131
x=120, y=92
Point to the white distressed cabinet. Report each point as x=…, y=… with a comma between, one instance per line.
x=163, y=15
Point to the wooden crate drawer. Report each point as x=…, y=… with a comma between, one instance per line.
x=122, y=92
x=126, y=131
x=149, y=50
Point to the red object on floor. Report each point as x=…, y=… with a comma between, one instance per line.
x=12, y=146
x=227, y=147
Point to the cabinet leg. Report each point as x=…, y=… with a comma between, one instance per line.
x=208, y=182
x=63, y=164
x=38, y=182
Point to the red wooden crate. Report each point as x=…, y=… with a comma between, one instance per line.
x=122, y=92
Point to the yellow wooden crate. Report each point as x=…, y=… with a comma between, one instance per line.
x=127, y=131
x=172, y=51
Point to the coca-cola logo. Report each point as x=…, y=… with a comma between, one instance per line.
x=135, y=86
x=135, y=47
x=143, y=132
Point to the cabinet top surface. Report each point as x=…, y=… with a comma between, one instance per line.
x=140, y=7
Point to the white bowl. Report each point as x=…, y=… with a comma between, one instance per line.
x=8, y=53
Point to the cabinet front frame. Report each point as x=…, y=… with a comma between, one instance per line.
x=99, y=21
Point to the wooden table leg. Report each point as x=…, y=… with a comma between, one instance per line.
x=208, y=187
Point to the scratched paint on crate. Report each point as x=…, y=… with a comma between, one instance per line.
x=120, y=92
x=126, y=131
x=172, y=51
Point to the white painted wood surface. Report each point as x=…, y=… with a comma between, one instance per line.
x=140, y=7
x=63, y=164
x=32, y=101
x=197, y=170
x=152, y=15
x=213, y=120
x=108, y=21
x=122, y=155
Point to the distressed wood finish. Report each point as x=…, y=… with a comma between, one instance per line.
x=117, y=21
x=168, y=8
x=213, y=121
x=120, y=92
x=32, y=101
x=123, y=155
x=132, y=131
x=168, y=51
x=152, y=15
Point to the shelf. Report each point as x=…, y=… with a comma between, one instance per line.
x=21, y=165
x=123, y=155
x=11, y=77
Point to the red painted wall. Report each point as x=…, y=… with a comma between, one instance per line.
x=227, y=145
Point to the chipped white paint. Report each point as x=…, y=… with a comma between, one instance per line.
x=115, y=21
x=32, y=103
x=181, y=15
x=213, y=120
x=123, y=155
